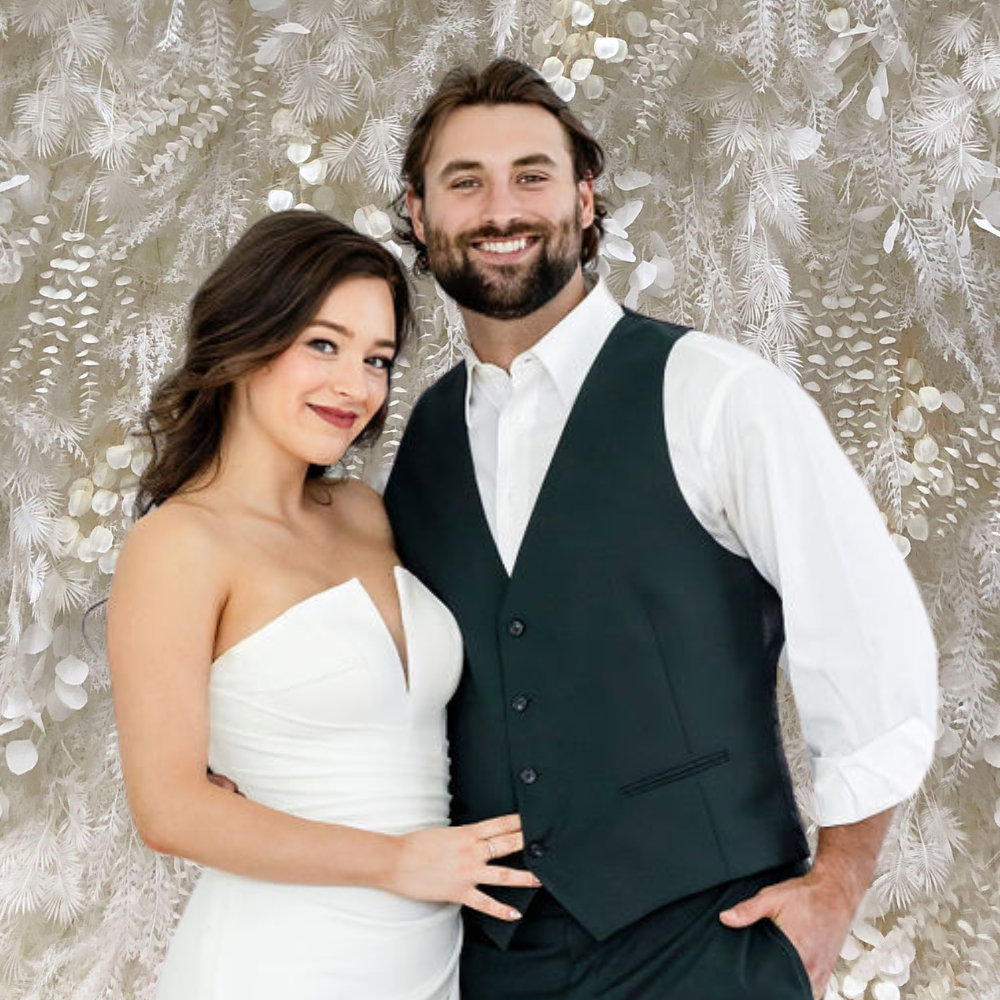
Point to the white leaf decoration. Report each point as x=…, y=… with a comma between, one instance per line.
x=101, y=539
x=606, y=48
x=953, y=402
x=890, y=235
x=118, y=456
x=79, y=503
x=565, y=89
x=619, y=249
x=72, y=670
x=269, y=51
x=581, y=70
x=292, y=28
x=628, y=213
x=71, y=695
x=22, y=756
x=643, y=276
x=874, y=104
x=664, y=272
x=582, y=13
x=930, y=398
x=36, y=639
x=991, y=752
x=551, y=69
x=802, y=142
x=280, y=200
x=632, y=179
x=838, y=19
x=16, y=181
x=104, y=502
x=313, y=172
x=593, y=87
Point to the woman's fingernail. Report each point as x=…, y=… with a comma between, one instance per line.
x=514, y=914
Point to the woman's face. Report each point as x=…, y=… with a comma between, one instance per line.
x=319, y=394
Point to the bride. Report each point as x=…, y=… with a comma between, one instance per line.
x=259, y=625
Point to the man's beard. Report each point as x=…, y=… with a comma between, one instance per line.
x=506, y=291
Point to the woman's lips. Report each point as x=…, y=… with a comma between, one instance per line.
x=339, y=418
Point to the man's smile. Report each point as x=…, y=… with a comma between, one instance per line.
x=505, y=251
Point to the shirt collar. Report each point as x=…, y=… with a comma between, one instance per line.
x=568, y=350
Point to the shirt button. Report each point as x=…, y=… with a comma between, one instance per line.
x=520, y=703
x=535, y=850
x=528, y=775
x=515, y=628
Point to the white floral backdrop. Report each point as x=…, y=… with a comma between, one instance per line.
x=817, y=182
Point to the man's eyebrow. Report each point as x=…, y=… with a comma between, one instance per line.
x=337, y=328
x=531, y=160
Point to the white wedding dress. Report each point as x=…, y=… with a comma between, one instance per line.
x=312, y=714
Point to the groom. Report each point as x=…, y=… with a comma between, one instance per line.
x=629, y=519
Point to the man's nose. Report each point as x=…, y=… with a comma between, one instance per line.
x=503, y=207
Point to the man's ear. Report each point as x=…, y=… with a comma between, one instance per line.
x=585, y=189
x=415, y=206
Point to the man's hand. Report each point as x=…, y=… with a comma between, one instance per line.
x=223, y=782
x=815, y=911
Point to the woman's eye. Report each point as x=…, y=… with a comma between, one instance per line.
x=321, y=344
x=382, y=364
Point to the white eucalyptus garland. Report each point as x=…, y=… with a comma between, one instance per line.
x=817, y=182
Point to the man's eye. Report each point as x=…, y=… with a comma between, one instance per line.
x=320, y=344
x=465, y=183
x=533, y=178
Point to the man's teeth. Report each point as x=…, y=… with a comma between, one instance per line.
x=508, y=246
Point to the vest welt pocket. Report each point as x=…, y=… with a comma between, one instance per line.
x=686, y=770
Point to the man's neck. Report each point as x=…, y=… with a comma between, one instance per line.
x=498, y=342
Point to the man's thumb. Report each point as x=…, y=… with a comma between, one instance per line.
x=745, y=913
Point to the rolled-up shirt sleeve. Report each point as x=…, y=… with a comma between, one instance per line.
x=860, y=653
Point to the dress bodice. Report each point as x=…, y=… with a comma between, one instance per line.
x=315, y=714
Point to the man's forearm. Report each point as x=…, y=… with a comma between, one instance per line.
x=846, y=855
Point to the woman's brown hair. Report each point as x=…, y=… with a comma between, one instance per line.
x=250, y=309
x=504, y=81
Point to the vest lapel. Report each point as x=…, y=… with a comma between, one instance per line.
x=568, y=463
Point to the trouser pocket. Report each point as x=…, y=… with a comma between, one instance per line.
x=785, y=943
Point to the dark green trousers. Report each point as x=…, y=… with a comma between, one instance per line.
x=679, y=952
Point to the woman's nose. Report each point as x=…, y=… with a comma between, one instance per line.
x=350, y=381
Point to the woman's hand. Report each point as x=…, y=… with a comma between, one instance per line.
x=446, y=864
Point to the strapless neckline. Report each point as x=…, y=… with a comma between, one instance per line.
x=353, y=583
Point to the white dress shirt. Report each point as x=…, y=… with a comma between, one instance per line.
x=760, y=469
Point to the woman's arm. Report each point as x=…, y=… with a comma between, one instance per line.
x=169, y=590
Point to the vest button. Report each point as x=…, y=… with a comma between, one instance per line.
x=520, y=703
x=515, y=628
x=528, y=775
x=535, y=849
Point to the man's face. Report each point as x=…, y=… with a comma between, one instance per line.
x=502, y=215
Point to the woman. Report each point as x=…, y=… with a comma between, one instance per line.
x=259, y=625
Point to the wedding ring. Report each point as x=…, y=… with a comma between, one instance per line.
x=491, y=849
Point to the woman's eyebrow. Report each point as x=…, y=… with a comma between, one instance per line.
x=347, y=332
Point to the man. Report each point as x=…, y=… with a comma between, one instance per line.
x=628, y=519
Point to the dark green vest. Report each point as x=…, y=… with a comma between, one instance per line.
x=619, y=686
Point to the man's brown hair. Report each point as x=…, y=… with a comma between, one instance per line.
x=504, y=81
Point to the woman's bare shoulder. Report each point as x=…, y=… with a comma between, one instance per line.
x=177, y=545
x=362, y=505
